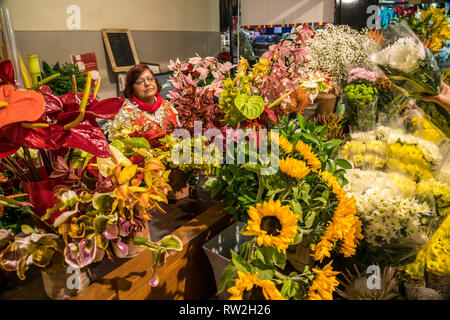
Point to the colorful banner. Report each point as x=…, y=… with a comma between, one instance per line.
x=306, y=24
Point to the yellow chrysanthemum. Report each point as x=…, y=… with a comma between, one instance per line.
x=273, y=224
x=294, y=168
x=435, y=256
x=311, y=158
x=250, y=287
x=324, y=284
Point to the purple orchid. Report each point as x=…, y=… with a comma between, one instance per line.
x=81, y=254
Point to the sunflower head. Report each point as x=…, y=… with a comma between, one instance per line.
x=273, y=224
x=250, y=287
x=284, y=143
x=294, y=168
x=310, y=157
x=324, y=284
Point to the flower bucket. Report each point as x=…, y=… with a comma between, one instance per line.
x=41, y=196
x=299, y=255
x=133, y=250
x=62, y=282
x=326, y=103
x=178, y=180
x=218, y=251
x=310, y=111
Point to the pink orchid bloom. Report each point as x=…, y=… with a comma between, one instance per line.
x=203, y=72
x=210, y=62
x=196, y=61
x=174, y=66
x=188, y=81
x=225, y=67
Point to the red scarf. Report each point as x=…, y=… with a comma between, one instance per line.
x=149, y=107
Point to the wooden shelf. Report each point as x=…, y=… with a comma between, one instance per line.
x=185, y=275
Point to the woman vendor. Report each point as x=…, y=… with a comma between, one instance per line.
x=144, y=113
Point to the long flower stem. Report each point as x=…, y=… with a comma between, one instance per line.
x=260, y=189
x=46, y=161
x=29, y=161
x=17, y=170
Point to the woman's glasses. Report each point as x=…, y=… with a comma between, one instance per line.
x=141, y=81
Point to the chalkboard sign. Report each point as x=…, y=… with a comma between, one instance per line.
x=120, y=47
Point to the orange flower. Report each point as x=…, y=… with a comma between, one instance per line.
x=19, y=105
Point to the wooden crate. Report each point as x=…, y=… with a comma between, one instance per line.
x=185, y=275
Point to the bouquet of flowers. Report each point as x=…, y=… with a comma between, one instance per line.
x=411, y=67
x=335, y=47
x=300, y=213
x=360, y=97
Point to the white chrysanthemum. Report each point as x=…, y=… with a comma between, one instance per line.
x=404, y=55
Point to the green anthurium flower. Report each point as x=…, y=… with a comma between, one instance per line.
x=251, y=107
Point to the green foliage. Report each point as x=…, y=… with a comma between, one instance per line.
x=63, y=83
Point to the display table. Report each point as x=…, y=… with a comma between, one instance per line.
x=186, y=274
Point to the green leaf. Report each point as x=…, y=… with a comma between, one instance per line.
x=227, y=277
x=26, y=229
x=296, y=207
x=252, y=167
x=343, y=163
x=272, y=257
x=137, y=142
x=240, y=263
x=298, y=237
x=290, y=288
x=210, y=183
x=171, y=242
x=311, y=138
x=331, y=143
x=301, y=121
x=309, y=221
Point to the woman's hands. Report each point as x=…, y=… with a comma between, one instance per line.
x=443, y=99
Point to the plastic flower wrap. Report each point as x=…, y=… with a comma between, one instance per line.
x=412, y=68
x=360, y=97
x=435, y=256
x=393, y=150
x=390, y=207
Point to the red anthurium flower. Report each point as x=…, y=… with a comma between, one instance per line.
x=52, y=102
x=19, y=105
x=7, y=72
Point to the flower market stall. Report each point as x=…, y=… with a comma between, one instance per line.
x=333, y=158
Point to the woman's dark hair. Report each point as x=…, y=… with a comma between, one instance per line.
x=132, y=75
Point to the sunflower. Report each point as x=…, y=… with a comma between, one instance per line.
x=294, y=168
x=345, y=225
x=273, y=224
x=311, y=158
x=281, y=141
x=250, y=287
x=324, y=284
